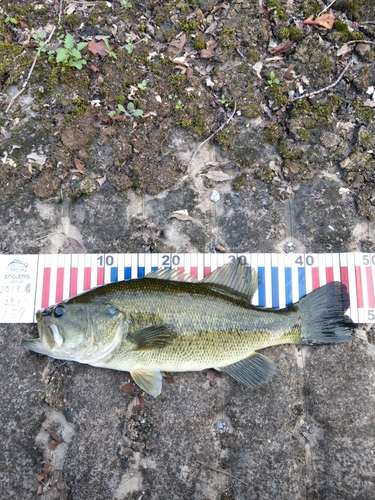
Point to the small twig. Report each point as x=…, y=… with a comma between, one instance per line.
x=29, y=75
x=326, y=8
x=223, y=472
x=60, y=11
x=360, y=41
x=214, y=133
x=328, y=86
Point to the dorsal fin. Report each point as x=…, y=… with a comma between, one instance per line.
x=171, y=275
x=235, y=276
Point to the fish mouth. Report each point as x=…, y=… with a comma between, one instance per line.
x=35, y=345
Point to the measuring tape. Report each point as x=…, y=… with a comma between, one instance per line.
x=32, y=282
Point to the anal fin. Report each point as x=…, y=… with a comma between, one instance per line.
x=253, y=371
x=149, y=381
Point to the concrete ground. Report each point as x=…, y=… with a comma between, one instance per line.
x=71, y=431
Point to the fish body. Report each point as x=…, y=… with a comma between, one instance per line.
x=168, y=322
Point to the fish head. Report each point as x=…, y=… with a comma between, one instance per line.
x=79, y=329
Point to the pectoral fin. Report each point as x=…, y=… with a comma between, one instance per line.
x=148, y=380
x=153, y=337
x=253, y=371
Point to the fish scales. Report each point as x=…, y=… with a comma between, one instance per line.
x=169, y=322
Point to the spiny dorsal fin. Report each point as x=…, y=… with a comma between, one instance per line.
x=153, y=337
x=236, y=276
x=171, y=275
x=253, y=371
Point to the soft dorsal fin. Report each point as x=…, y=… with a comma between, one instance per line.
x=171, y=275
x=234, y=276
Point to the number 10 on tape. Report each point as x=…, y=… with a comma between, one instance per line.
x=31, y=282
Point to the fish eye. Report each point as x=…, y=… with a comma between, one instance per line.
x=58, y=311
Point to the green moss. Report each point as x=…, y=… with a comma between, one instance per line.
x=168, y=34
x=288, y=153
x=279, y=13
x=240, y=181
x=272, y=134
x=284, y=32
x=228, y=39
x=252, y=55
x=200, y=42
x=309, y=7
x=295, y=33
x=188, y=26
x=13, y=62
x=325, y=65
x=279, y=94
x=364, y=114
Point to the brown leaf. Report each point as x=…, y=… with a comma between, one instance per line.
x=44, y=475
x=94, y=68
x=289, y=72
x=23, y=25
x=268, y=122
x=217, y=175
x=220, y=248
x=185, y=217
x=169, y=378
x=99, y=48
x=177, y=44
x=79, y=164
x=325, y=20
x=56, y=437
x=128, y=388
x=362, y=48
x=206, y=53
x=71, y=245
x=283, y=47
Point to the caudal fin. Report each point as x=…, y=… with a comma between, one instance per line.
x=323, y=315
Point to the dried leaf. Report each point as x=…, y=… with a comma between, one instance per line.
x=79, y=164
x=44, y=475
x=101, y=180
x=344, y=50
x=23, y=25
x=325, y=20
x=369, y=103
x=178, y=42
x=184, y=217
x=217, y=175
x=128, y=388
x=283, y=47
x=94, y=68
x=206, y=53
x=99, y=48
x=71, y=245
x=211, y=28
x=362, y=48
x=220, y=248
x=268, y=122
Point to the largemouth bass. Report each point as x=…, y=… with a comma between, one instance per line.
x=169, y=322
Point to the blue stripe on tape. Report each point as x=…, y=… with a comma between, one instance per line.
x=288, y=286
x=275, y=286
x=114, y=274
x=154, y=268
x=141, y=272
x=127, y=273
x=301, y=282
x=262, y=287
